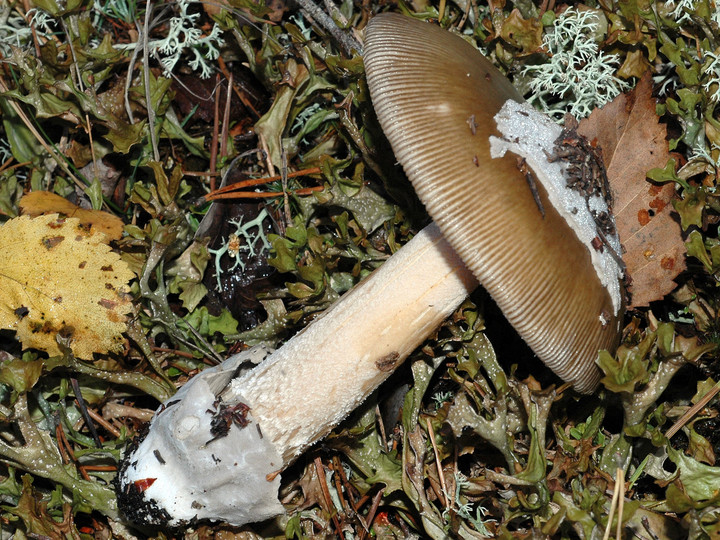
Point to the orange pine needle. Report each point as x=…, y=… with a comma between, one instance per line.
x=243, y=99
x=235, y=188
x=257, y=181
x=260, y=195
x=8, y=165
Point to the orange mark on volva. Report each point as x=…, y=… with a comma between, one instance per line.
x=144, y=484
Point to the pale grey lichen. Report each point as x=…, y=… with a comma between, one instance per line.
x=711, y=72
x=16, y=30
x=441, y=397
x=5, y=151
x=464, y=510
x=304, y=27
x=241, y=241
x=681, y=10
x=578, y=76
x=185, y=38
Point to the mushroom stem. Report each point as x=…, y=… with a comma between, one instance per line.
x=355, y=345
x=295, y=396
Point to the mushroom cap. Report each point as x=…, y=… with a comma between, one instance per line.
x=427, y=86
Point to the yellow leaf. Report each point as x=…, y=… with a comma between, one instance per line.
x=58, y=276
x=37, y=203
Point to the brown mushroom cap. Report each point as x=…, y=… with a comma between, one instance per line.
x=435, y=96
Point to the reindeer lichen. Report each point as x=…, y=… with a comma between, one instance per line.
x=15, y=30
x=681, y=10
x=711, y=72
x=241, y=241
x=578, y=76
x=183, y=37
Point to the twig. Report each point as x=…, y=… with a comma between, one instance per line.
x=215, y=135
x=348, y=43
x=200, y=173
x=245, y=101
x=615, y=504
x=263, y=194
x=381, y=427
x=210, y=350
x=349, y=488
x=338, y=484
x=176, y=352
x=464, y=18
x=7, y=166
x=99, y=468
x=27, y=6
x=104, y=423
x=648, y=528
x=371, y=513
x=266, y=154
x=226, y=119
x=116, y=410
x=67, y=453
x=335, y=13
x=84, y=411
x=620, y=479
x=61, y=443
x=284, y=180
x=128, y=83
x=320, y=470
x=143, y=33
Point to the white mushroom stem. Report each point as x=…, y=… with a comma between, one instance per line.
x=298, y=393
x=318, y=377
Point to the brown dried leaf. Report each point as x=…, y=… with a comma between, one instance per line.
x=59, y=278
x=37, y=203
x=633, y=141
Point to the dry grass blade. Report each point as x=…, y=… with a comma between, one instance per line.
x=438, y=463
x=692, y=411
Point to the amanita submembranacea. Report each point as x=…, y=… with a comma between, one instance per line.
x=482, y=163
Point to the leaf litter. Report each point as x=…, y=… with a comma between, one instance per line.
x=59, y=279
x=633, y=141
x=38, y=203
x=472, y=438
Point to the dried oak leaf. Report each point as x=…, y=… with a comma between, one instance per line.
x=59, y=277
x=37, y=203
x=633, y=141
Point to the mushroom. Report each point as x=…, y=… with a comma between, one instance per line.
x=435, y=96
x=214, y=450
